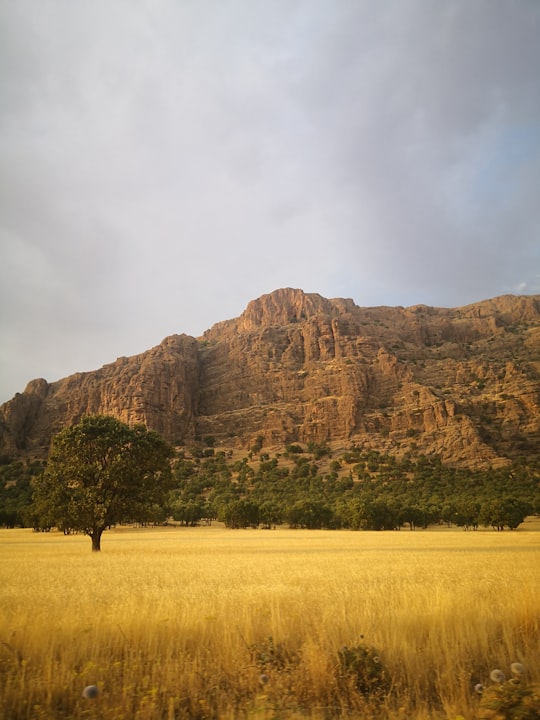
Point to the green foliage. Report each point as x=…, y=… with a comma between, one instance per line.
x=397, y=492
x=102, y=472
x=360, y=489
x=366, y=512
x=190, y=512
x=270, y=514
x=16, y=490
x=311, y=514
x=294, y=449
x=240, y=514
x=507, y=511
x=362, y=664
x=319, y=450
x=257, y=445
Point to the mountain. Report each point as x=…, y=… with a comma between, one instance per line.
x=297, y=367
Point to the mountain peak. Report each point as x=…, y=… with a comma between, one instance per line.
x=462, y=383
x=288, y=305
x=282, y=307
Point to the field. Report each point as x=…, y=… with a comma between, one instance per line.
x=214, y=623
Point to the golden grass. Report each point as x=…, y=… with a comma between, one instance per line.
x=175, y=623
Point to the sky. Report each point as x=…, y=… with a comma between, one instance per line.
x=164, y=162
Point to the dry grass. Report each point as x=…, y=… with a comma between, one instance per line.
x=175, y=623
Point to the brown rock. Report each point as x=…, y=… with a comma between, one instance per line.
x=296, y=367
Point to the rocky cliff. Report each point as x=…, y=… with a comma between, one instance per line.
x=296, y=367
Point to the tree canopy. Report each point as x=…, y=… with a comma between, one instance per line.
x=358, y=488
x=101, y=472
x=361, y=489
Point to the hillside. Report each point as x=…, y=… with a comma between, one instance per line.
x=462, y=383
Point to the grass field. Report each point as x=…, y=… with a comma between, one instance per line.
x=214, y=623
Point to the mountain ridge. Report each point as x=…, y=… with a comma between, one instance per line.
x=462, y=383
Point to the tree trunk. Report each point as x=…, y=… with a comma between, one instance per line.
x=96, y=540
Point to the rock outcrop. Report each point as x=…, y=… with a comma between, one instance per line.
x=159, y=388
x=296, y=367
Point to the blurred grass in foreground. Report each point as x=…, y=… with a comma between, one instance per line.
x=213, y=623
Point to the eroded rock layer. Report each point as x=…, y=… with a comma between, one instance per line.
x=296, y=367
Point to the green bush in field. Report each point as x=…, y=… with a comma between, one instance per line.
x=362, y=665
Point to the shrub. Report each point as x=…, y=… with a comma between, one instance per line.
x=294, y=449
x=363, y=665
x=269, y=655
x=511, y=699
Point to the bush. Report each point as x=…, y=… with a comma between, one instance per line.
x=271, y=656
x=509, y=699
x=294, y=449
x=363, y=665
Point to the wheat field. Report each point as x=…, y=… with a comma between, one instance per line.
x=214, y=623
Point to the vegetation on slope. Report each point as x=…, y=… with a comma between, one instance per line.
x=314, y=487
x=358, y=489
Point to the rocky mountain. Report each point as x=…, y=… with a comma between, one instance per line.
x=295, y=367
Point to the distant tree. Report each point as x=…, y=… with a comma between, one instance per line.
x=348, y=512
x=189, y=512
x=16, y=490
x=319, y=450
x=414, y=516
x=294, y=449
x=240, y=514
x=504, y=512
x=310, y=514
x=467, y=514
x=102, y=472
x=270, y=514
x=257, y=445
x=378, y=515
x=367, y=513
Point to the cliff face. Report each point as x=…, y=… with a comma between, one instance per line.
x=159, y=388
x=296, y=367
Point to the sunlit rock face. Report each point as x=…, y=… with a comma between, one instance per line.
x=297, y=367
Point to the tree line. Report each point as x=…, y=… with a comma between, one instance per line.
x=101, y=472
x=360, y=490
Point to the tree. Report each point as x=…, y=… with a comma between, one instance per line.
x=367, y=513
x=270, y=514
x=311, y=514
x=16, y=489
x=467, y=514
x=240, y=514
x=189, y=512
x=504, y=512
x=101, y=472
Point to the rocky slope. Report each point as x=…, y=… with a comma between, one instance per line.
x=296, y=367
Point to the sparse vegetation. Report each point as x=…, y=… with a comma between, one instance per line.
x=512, y=699
x=345, y=486
x=357, y=489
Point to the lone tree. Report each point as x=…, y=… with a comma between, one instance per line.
x=101, y=472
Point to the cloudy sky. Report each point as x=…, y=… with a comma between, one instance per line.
x=164, y=162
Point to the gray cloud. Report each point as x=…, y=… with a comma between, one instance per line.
x=162, y=163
